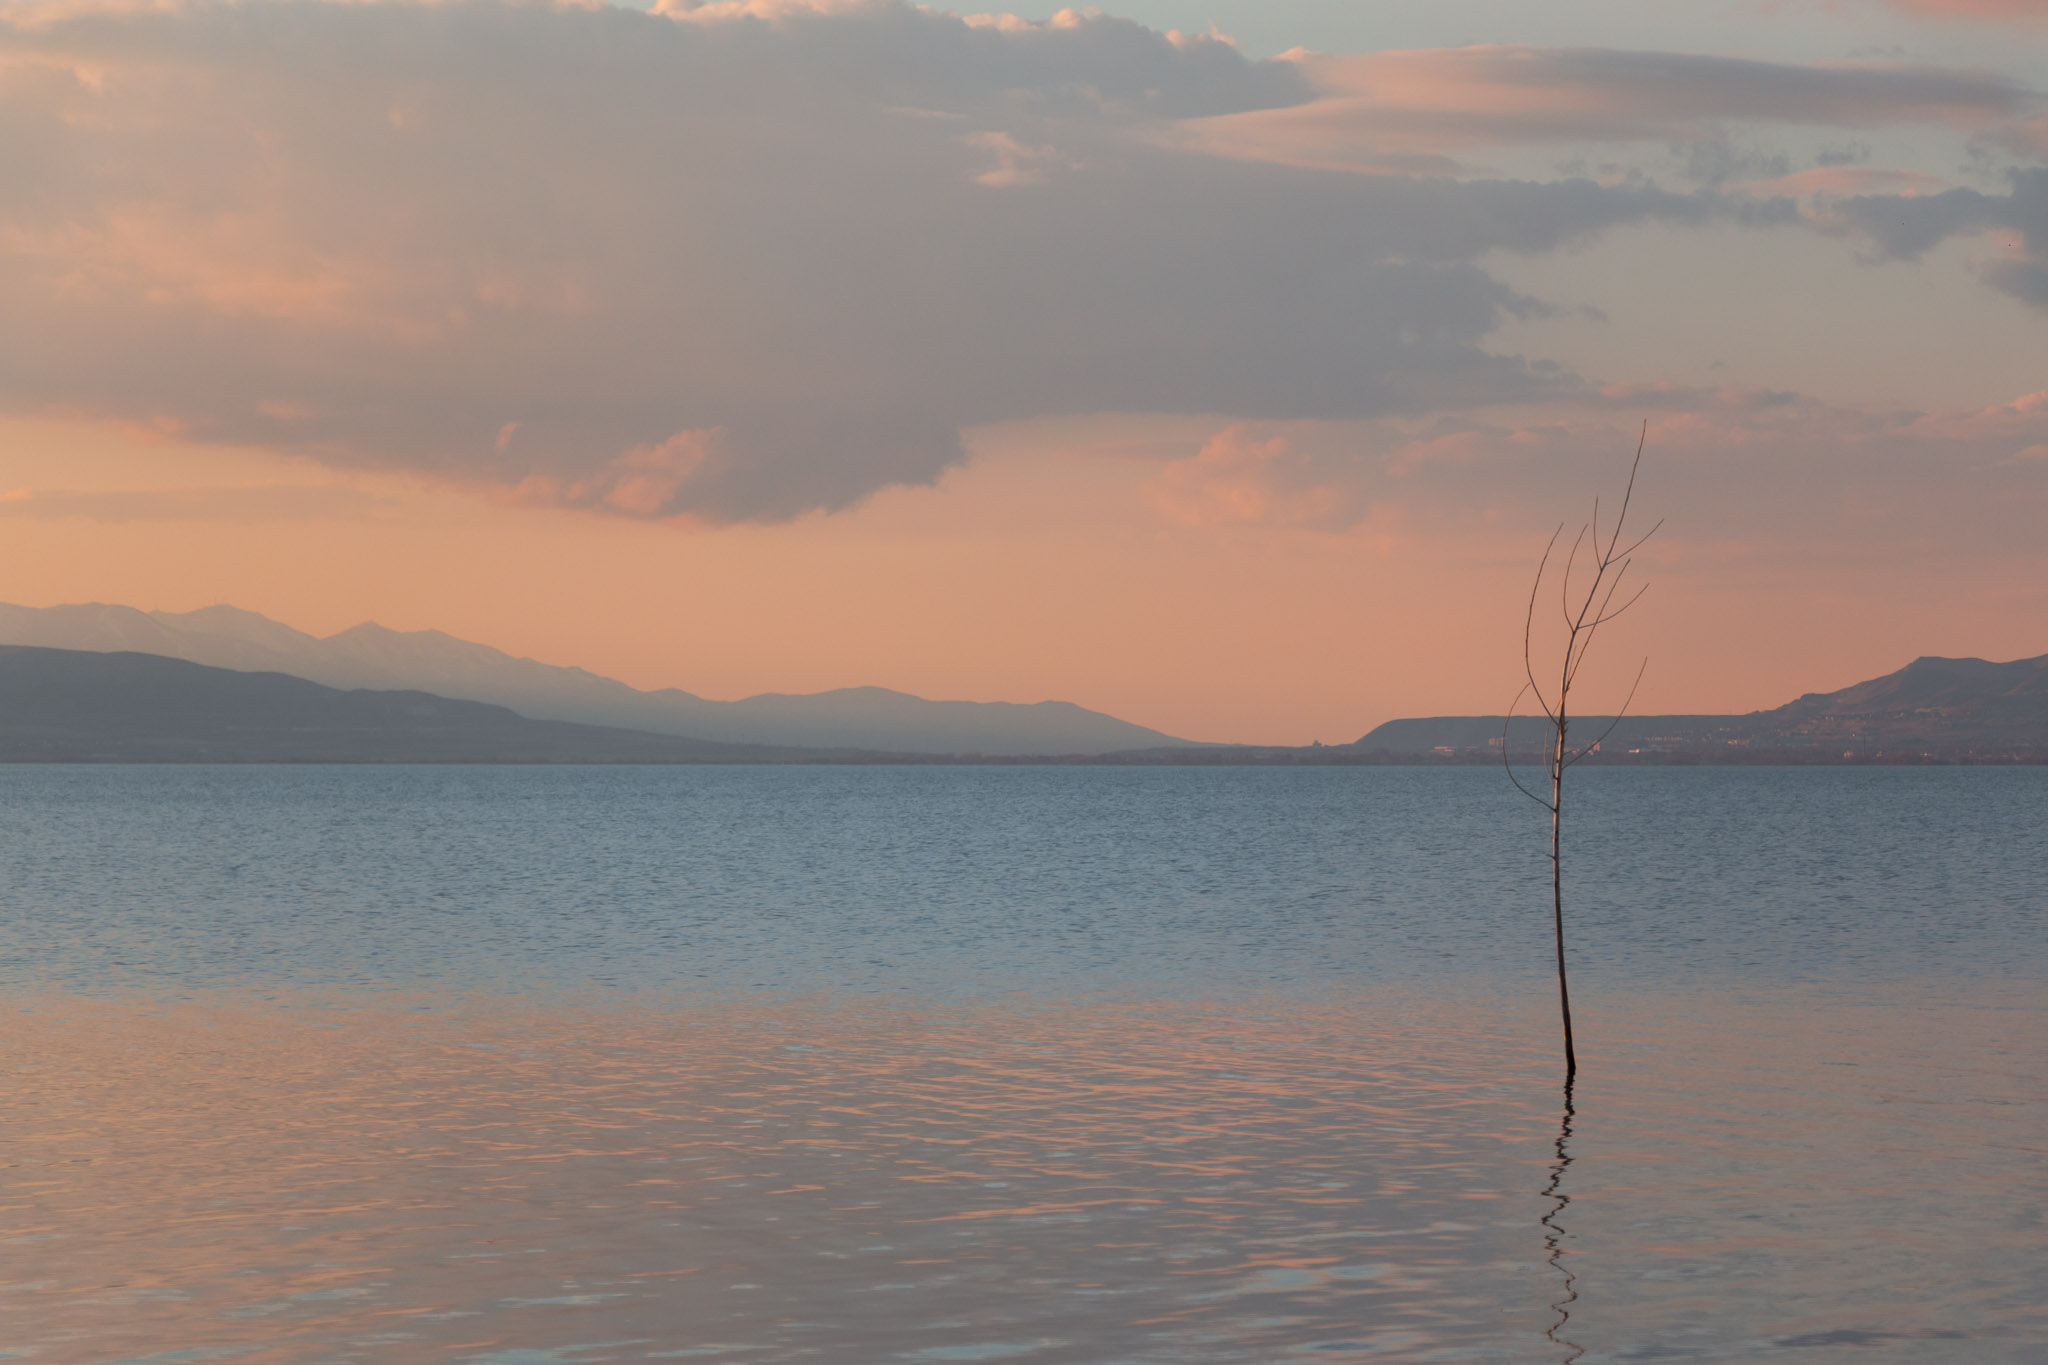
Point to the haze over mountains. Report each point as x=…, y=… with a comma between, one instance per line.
x=372, y=656
x=415, y=686
x=82, y=706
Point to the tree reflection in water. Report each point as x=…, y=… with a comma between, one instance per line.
x=1554, y=1233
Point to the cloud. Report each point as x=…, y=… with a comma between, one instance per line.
x=1903, y=227
x=247, y=504
x=1973, y=9
x=746, y=472
x=735, y=261
x=1435, y=102
x=2027, y=139
x=1242, y=476
x=1837, y=181
x=1736, y=466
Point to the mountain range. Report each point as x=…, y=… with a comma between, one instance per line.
x=78, y=706
x=85, y=682
x=375, y=657
x=1933, y=709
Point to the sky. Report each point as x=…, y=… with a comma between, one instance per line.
x=1224, y=366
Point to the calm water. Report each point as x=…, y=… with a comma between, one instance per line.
x=1080, y=1065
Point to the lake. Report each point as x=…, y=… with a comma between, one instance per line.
x=521, y=1066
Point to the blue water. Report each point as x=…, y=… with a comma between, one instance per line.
x=1061, y=1066
x=988, y=881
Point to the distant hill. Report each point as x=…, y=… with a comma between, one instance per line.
x=1933, y=709
x=133, y=691
x=371, y=656
x=75, y=706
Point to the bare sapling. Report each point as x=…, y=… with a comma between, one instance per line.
x=1584, y=613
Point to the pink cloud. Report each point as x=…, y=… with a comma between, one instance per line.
x=1734, y=466
x=818, y=240
x=646, y=481
x=1974, y=9
x=1373, y=107
x=1839, y=180
x=838, y=234
x=1243, y=477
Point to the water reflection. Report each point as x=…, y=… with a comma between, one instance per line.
x=1554, y=1233
x=768, y=1180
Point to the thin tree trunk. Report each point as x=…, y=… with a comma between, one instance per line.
x=1609, y=563
x=1564, y=995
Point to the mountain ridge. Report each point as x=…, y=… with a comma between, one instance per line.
x=102, y=706
x=1935, y=708
x=373, y=656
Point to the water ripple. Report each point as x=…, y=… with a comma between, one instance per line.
x=777, y=1180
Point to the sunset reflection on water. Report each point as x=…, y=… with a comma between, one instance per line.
x=376, y=1178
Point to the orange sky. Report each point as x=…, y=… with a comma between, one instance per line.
x=1044, y=568
x=317, y=382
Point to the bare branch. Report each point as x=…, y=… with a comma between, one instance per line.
x=1600, y=566
x=1507, y=763
x=1529, y=626
x=1564, y=592
x=1622, y=608
x=1618, y=715
x=1613, y=586
x=1643, y=539
x=1630, y=490
x=1592, y=627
